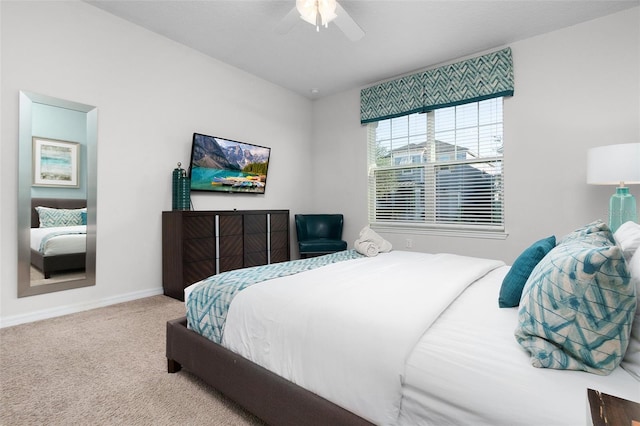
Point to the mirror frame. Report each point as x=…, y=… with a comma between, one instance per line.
x=27, y=99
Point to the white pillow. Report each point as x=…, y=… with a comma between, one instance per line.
x=631, y=360
x=628, y=238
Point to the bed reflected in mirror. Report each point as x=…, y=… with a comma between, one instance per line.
x=56, y=195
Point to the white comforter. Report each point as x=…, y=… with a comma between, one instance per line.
x=323, y=332
x=469, y=370
x=75, y=242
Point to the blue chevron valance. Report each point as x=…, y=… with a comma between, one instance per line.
x=472, y=80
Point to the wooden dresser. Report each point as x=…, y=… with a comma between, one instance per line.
x=198, y=244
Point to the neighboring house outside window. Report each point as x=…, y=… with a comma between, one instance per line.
x=440, y=169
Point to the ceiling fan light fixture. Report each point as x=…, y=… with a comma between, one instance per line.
x=317, y=12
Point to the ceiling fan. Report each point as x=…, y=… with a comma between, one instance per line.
x=320, y=13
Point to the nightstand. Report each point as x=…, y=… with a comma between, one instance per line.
x=608, y=410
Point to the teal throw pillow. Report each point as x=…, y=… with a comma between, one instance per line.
x=577, y=308
x=50, y=217
x=514, y=281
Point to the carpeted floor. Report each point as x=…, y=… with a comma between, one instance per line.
x=37, y=277
x=105, y=366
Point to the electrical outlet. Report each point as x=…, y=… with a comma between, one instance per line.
x=408, y=243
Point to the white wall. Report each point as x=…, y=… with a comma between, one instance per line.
x=151, y=94
x=574, y=89
x=340, y=161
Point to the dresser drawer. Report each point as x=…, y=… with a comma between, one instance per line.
x=229, y=263
x=198, y=226
x=279, y=222
x=279, y=240
x=229, y=225
x=255, y=243
x=279, y=255
x=196, y=271
x=255, y=259
x=199, y=249
x=255, y=224
x=231, y=246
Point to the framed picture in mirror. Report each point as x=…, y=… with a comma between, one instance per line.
x=55, y=163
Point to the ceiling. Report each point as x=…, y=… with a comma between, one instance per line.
x=400, y=36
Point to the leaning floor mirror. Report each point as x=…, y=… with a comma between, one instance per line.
x=57, y=194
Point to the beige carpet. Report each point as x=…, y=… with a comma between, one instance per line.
x=106, y=366
x=37, y=277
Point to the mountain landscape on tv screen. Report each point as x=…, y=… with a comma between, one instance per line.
x=209, y=153
x=222, y=165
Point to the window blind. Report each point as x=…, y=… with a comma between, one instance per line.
x=443, y=168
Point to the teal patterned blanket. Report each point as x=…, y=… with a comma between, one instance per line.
x=209, y=302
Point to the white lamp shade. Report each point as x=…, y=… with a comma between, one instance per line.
x=614, y=164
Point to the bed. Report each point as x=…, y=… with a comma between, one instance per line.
x=326, y=343
x=59, y=245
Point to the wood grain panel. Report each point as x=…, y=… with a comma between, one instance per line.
x=199, y=249
x=196, y=271
x=198, y=226
x=255, y=258
x=609, y=410
x=230, y=225
x=279, y=240
x=255, y=243
x=279, y=255
x=231, y=246
x=229, y=263
x=279, y=222
x=255, y=224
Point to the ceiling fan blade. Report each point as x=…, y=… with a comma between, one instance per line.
x=347, y=24
x=288, y=22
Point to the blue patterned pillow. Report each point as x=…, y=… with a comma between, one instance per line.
x=50, y=217
x=577, y=308
x=514, y=281
x=597, y=233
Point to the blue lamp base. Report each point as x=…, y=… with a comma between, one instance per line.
x=622, y=208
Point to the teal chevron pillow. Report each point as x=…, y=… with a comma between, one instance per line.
x=577, y=308
x=516, y=278
x=50, y=217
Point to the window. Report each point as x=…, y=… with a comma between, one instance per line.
x=439, y=169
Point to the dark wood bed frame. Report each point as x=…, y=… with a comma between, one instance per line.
x=63, y=262
x=270, y=397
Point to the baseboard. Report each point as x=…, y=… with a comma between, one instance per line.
x=76, y=307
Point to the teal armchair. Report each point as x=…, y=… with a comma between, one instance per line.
x=319, y=234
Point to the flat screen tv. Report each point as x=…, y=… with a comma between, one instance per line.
x=223, y=165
